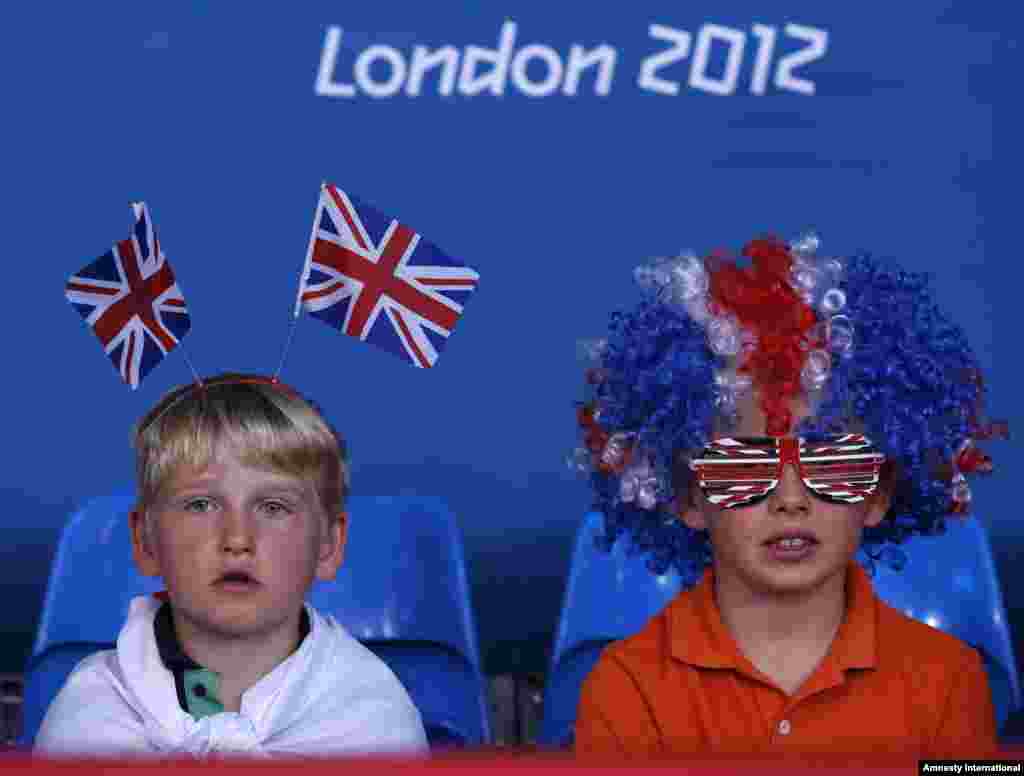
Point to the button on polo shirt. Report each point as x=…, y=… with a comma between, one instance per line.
x=888, y=685
x=202, y=692
x=198, y=688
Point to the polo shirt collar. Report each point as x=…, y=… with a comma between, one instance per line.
x=177, y=661
x=696, y=632
x=698, y=636
x=856, y=644
x=171, y=653
x=168, y=645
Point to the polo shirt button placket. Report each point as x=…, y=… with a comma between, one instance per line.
x=784, y=727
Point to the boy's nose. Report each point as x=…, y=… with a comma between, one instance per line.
x=791, y=495
x=236, y=531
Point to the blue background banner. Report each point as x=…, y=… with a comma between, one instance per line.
x=552, y=147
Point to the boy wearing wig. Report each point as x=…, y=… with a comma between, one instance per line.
x=751, y=426
x=241, y=491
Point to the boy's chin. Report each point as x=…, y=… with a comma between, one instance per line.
x=767, y=575
x=797, y=578
x=232, y=616
x=235, y=625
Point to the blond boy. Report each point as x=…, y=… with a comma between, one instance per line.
x=241, y=494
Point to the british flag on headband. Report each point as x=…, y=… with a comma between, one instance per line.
x=131, y=300
x=375, y=279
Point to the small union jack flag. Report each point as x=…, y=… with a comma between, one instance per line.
x=377, y=280
x=130, y=299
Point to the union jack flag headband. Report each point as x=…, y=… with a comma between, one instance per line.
x=740, y=472
x=365, y=274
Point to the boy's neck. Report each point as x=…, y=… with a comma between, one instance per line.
x=762, y=620
x=240, y=661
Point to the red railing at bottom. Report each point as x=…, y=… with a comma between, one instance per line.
x=499, y=763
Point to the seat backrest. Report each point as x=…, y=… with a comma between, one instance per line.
x=608, y=596
x=949, y=582
x=402, y=590
x=1012, y=731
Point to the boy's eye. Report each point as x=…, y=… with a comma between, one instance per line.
x=199, y=505
x=276, y=508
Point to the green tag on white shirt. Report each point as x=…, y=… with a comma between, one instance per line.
x=202, y=693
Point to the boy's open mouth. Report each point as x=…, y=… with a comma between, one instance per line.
x=236, y=579
x=792, y=541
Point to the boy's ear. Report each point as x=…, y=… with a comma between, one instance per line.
x=687, y=504
x=878, y=504
x=142, y=546
x=880, y=501
x=332, y=547
x=687, y=509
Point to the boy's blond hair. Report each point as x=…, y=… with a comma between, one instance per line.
x=270, y=424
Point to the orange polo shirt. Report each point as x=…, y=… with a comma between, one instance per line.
x=888, y=685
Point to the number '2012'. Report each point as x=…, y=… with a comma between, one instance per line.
x=815, y=45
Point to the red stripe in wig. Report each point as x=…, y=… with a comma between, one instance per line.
x=763, y=300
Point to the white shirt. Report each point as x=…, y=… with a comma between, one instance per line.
x=330, y=697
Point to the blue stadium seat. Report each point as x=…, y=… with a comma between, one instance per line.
x=402, y=591
x=1012, y=733
x=949, y=582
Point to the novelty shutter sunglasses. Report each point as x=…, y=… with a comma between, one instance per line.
x=741, y=471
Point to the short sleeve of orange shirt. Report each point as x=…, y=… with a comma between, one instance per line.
x=889, y=685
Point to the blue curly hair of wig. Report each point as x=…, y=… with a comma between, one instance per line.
x=909, y=377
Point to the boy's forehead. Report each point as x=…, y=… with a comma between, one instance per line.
x=750, y=420
x=231, y=460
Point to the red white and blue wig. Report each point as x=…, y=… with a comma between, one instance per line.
x=861, y=338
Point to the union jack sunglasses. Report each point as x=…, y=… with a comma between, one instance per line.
x=742, y=471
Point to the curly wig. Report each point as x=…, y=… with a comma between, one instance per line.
x=907, y=376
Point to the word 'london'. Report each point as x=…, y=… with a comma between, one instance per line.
x=536, y=70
